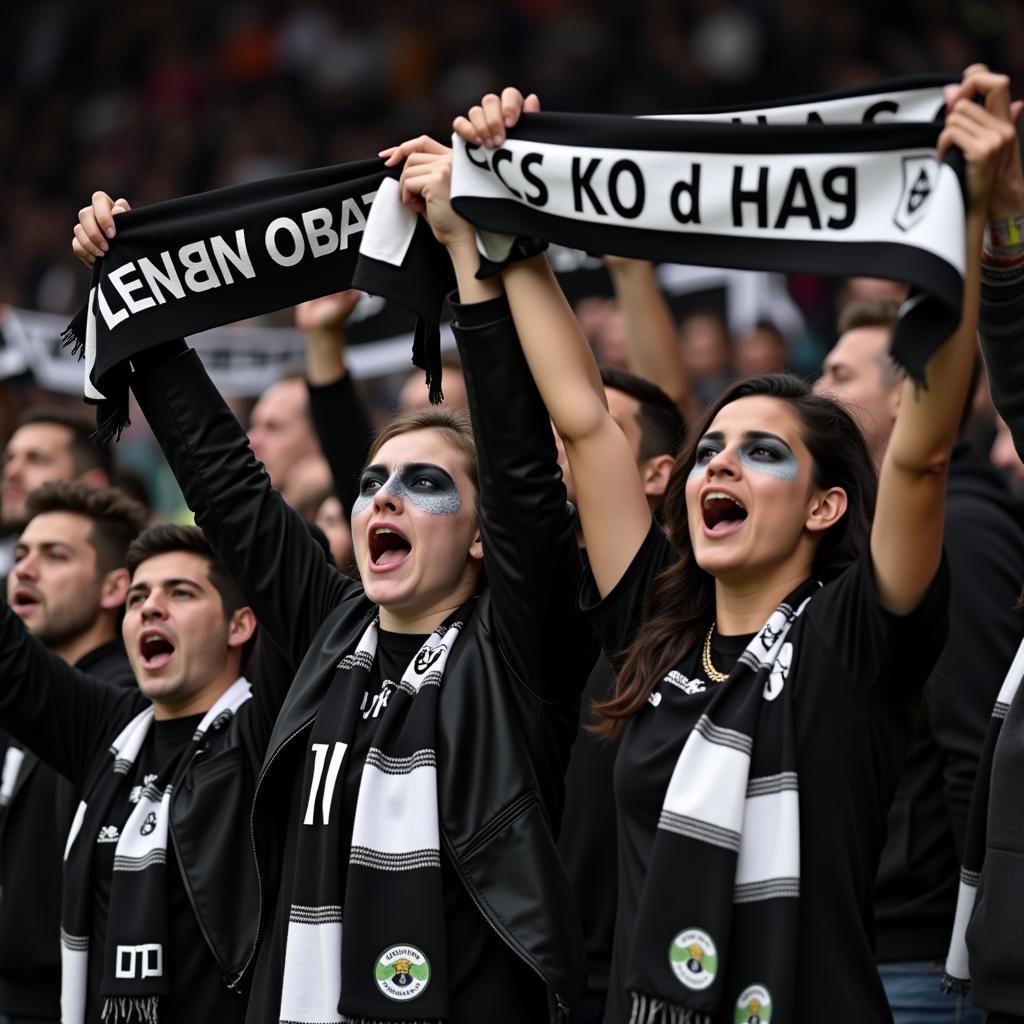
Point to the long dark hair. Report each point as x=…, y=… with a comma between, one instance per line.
x=681, y=604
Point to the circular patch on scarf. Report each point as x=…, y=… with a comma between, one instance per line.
x=402, y=973
x=693, y=958
x=754, y=1006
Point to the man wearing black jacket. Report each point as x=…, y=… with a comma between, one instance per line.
x=916, y=890
x=68, y=586
x=166, y=932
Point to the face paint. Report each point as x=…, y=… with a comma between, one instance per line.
x=763, y=453
x=706, y=451
x=770, y=455
x=425, y=486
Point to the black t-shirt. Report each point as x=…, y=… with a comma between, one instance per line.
x=858, y=675
x=487, y=981
x=198, y=991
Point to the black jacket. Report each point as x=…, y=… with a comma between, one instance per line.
x=69, y=720
x=915, y=896
x=33, y=828
x=510, y=700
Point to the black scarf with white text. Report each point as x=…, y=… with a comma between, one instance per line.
x=816, y=185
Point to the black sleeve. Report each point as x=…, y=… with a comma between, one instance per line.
x=344, y=431
x=265, y=545
x=531, y=553
x=62, y=715
x=617, y=616
x=879, y=649
x=986, y=559
x=1001, y=329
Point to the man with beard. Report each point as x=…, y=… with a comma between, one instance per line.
x=68, y=586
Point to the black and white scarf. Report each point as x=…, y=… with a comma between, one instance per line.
x=814, y=186
x=722, y=935
x=183, y=266
x=389, y=961
x=134, y=977
x=957, y=980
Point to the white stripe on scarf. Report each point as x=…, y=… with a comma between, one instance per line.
x=958, y=970
x=395, y=829
x=134, y=852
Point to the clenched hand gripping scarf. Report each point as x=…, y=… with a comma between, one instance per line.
x=134, y=961
x=721, y=937
x=958, y=974
x=816, y=186
x=388, y=961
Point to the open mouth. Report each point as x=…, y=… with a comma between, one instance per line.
x=155, y=650
x=25, y=601
x=723, y=514
x=388, y=548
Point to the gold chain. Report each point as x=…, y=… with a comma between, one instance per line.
x=710, y=671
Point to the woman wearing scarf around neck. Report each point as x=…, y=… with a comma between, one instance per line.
x=403, y=819
x=772, y=653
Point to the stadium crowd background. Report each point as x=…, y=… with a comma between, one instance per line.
x=171, y=97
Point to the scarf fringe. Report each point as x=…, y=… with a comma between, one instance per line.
x=110, y=430
x=125, y=1010
x=390, y=1020
x=71, y=339
x=647, y=1010
x=955, y=986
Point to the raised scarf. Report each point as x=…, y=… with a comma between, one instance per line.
x=716, y=927
x=189, y=264
x=957, y=979
x=134, y=955
x=366, y=941
x=818, y=185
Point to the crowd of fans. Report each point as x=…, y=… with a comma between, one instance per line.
x=169, y=99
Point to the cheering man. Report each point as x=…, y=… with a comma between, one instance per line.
x=68, y=586
x=157, y=876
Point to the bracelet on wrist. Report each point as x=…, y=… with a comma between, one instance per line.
x=1005, y=233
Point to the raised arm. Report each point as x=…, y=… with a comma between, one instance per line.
x=339, y=417
x=906, y=536
x=62, y=715
x=529, y=531
x=652, y=340
x=264, y=544
x=1001, y=325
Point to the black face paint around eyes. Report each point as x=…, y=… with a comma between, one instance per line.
x=442, y=498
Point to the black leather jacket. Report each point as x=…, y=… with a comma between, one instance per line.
x=509, y=705
x=69, y=718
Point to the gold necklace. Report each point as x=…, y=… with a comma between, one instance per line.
x=710, y=671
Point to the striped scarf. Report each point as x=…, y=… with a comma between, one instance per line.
x=134, y=977
x=383, y=892
x=957, y=979
x=717, y=921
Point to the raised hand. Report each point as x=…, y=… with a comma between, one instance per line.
x=95, y=226
x=487, y=123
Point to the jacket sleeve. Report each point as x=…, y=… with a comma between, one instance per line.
x=986, y=554
x=531, y=554
x=265, y=545
x=1001, y=327
x=61, y=714
x=343, y=429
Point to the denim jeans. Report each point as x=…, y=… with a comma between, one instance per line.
x=916, y=998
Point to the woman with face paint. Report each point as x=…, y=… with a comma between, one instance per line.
x=772, y=652
x=402, y=824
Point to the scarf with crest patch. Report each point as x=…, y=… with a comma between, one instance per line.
x=731, y=815
x=366, y=942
